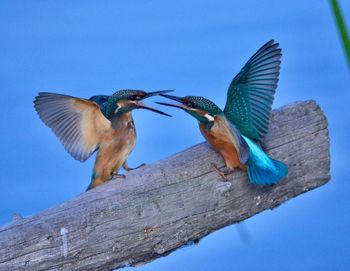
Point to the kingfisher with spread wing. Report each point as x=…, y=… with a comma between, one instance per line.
x=102, y=123
x=236, y=131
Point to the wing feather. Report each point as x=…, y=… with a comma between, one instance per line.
x=241, y=144
x=78, y=123
x=251, y=92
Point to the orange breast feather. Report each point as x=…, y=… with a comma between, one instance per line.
x=221, y=138
x=115, y=148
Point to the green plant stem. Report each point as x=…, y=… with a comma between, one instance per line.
x=341, y=28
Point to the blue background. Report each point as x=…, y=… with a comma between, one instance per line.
x=83, y=48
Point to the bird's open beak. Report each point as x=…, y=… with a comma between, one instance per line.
x=174, y=98
x=140, y=104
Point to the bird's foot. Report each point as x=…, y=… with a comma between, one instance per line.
x=126, y=168
x=118, y=176
x=222, y=173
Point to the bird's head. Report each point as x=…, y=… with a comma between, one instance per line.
x=125, y=100
x=201, y=108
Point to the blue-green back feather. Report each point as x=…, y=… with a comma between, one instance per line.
x=251, y=92
x=99, y=99
x=102, y=101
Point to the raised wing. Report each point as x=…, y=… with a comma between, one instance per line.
x=78, y=123
x=251, y=92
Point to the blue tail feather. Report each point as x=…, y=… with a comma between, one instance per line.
x=266, y=175
x=263, y=170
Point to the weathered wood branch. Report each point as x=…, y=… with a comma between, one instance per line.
x=168, y=204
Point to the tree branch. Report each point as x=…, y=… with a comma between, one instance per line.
x=168, y=204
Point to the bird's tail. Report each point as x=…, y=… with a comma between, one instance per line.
x=263, y=170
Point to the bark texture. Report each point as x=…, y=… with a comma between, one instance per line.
x=168, y=204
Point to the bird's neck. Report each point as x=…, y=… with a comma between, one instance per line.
x=207, y=121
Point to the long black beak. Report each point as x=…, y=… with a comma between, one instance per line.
x=172, y=97
x=175, y=98
x=150, y=94
x=159, y=92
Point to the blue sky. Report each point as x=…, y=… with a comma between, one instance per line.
x=84, y=48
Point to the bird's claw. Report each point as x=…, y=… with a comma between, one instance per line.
x=223, y=174
x=133, y=168
x=118, y=176
x=142, y=165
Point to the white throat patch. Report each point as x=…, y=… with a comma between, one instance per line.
x=116, y=110
x=209, y=117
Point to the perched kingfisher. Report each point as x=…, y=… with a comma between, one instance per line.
x=236, y=131
x=102, y=123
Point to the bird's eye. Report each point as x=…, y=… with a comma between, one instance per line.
x=191, y=104
x=134, y=97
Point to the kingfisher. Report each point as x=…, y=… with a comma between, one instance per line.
x=237, y=131
x=102, y=123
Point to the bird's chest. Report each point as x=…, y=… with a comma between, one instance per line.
x=218, y=136
x=120, y=142
x=222, y=140
x=125, y=134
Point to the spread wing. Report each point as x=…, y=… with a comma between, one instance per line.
x=251, y=93
x=78, y=123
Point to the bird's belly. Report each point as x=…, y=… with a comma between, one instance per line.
x=223, y=144
x=113, y=152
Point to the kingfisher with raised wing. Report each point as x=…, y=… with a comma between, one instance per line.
x=236, y=131
x=102, y=123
